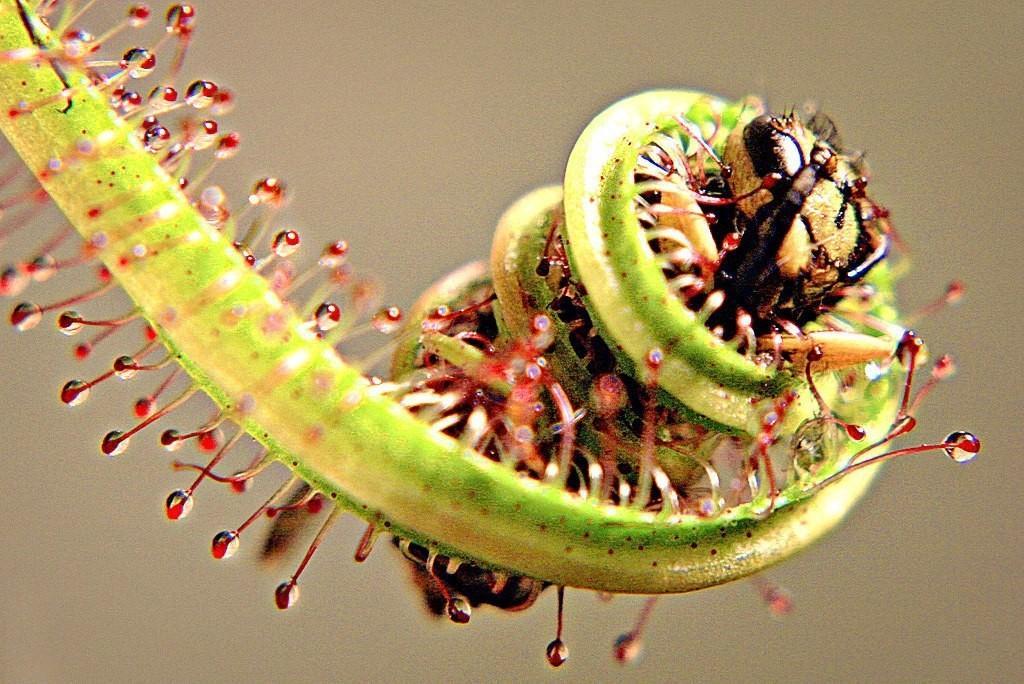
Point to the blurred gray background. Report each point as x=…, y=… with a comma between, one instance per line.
x=407, y=129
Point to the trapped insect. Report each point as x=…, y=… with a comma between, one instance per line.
x=676, y=370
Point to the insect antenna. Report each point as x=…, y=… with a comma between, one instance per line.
x=959, y=445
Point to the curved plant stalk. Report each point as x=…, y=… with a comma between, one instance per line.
x=624, y=282
x=249, y=351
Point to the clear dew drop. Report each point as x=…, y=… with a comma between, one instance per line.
x=142, y=407
x=82, y=350
x=709, y=506
x=328, y=315
x=200, y=94
x=286, y=595
x=944, y=367
x=246, y=253
x=212, y=205
x=224, y=102
x=138, y=62
x=205, y=134
x=180, y=19
x=210, y=441
x=70, y=323
x=533, y=372
x=170, y=439
x=78, y=43
x=162, y=98
x=175, y=153
x=962, y=446
x=42, y=267
x=178, y=505
x=125, y=367
x=523, y=434
x=224, y=545
x=26, y=316
x=557, y=653
x=286, y=243
x=268, y=191
x=780, y=604
x=227, y=146
x=855, y=432
x=74, y=392
x=156, y=138
x=12, y=281
x=138, y=15
x=129, y=102
x=114, y=443
x=334, y=254
x=609, y=394
x=458, y=609
x=387, y=320
x=543, y=333
x=626, y=649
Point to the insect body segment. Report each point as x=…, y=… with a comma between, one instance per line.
x=718, y=241
x=804, y=231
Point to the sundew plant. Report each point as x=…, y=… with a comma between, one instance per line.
x=677, y=367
